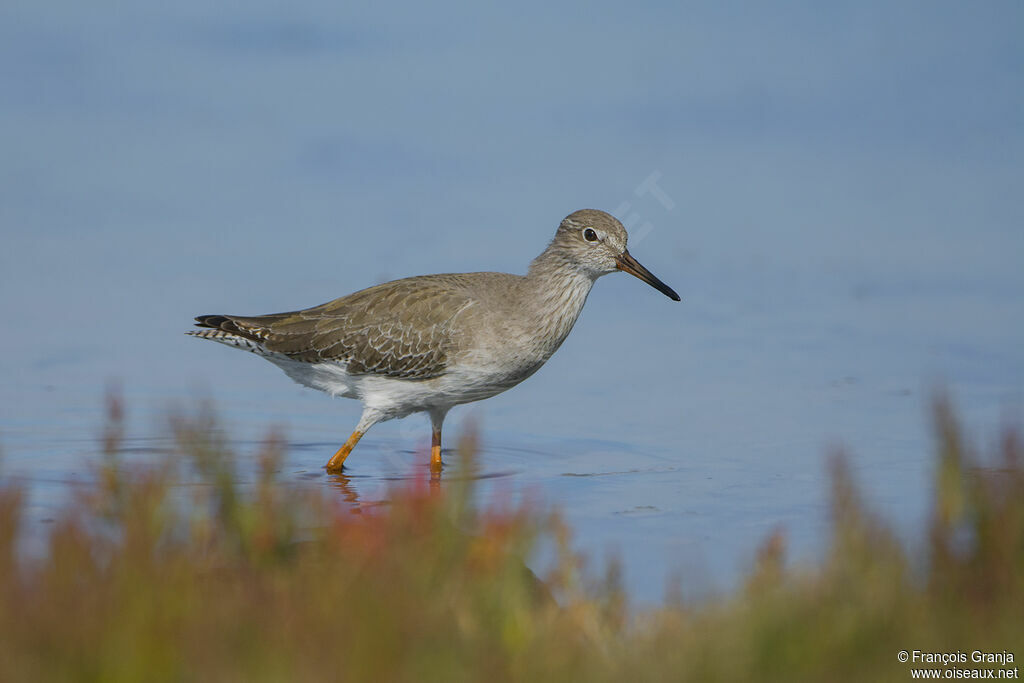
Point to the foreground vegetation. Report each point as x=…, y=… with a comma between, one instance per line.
x=278, y=583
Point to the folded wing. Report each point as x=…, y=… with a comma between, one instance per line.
x=399, y=329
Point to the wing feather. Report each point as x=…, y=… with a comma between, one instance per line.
x=400, y=329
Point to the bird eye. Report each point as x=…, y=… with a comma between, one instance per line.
x=589, y=235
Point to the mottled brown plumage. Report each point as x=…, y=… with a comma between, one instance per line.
x=397, y=329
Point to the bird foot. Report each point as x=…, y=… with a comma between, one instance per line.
x=337, y=461
x=435, y=460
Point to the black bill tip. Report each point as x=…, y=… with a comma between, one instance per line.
x=625, y=262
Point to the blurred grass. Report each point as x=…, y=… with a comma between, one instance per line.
x=283, y=583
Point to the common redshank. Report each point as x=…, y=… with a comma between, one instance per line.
x=428, y=343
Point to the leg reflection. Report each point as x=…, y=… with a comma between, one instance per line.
x=343, y=483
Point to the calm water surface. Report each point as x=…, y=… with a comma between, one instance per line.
x=835, y=194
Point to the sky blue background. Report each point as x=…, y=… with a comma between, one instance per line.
x=839, y=205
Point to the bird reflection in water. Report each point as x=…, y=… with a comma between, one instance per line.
x=344, y=484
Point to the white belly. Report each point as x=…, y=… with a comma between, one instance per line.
x=394, y=398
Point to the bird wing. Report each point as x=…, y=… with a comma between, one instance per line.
x=398, y=329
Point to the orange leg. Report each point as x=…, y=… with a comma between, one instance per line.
x=435, y=450
x=337, y=461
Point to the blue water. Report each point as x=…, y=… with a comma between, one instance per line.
x=835, y=193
